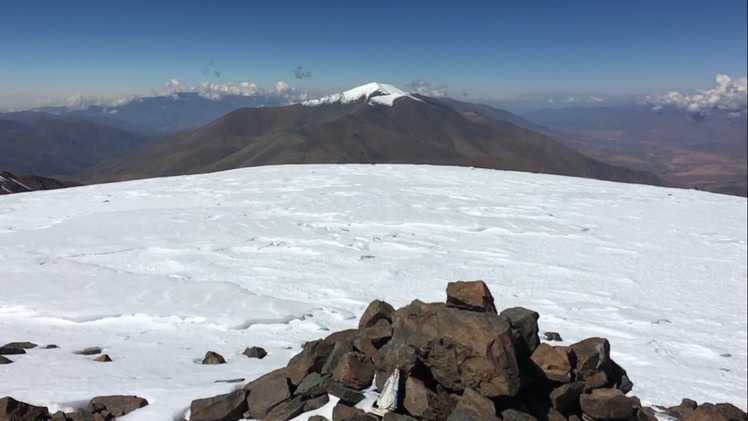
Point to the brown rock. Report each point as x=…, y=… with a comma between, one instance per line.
x=552, y=363
x=103, y=358
x=566, y=396
x=555, y=415
x=472, y=406
x=619, y=379
x=471, y=295
x=227, y=407
x=491, y=366
x=286, y=410
x=311, y=358
x=13, y=410
x=376, y=311
x=5, y=350
x=395, y=354
x=51, y=346
x=379, y=334
x=598, y=380
x=347, y=413
x=255, y=352
x=552, y=336
x=606, y=404
x=354, y=370
x=89, y=351
x=317, y=418
x=340, y=349
x=644, y=414
x=718, y=412
x=346, y=395
x=592, y=355
x=119, y=405
x=316, y=402
x=213, y=358
x=266, y=392
x=685, y=407
x=4, y=360
x=313, y=384
x=424, y=404
x=524, y=324
x=20, y=345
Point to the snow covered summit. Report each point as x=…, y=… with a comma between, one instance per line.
x=374, y=93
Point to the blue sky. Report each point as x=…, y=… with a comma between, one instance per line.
x=492, y=49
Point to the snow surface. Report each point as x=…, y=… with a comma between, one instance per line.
x=376, y=93
x=157, y=272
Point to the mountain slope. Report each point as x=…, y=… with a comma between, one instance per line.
x=48, y=145
x=12, y=183
x=374, y=123
x=160, y=271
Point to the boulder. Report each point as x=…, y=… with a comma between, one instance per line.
x=89, y=351
x=482, y=340
x=255, y=352
x=471, y=295
x=395, y=354
x=592, y=355
x=566, y=396
x=226, y=407
x=342, y=412
x=552, y=363
x=4, y=360
x=20, y=345
x=346, y=395
x=5, y=350
x=376, y=311
x=118, y=405
x=267, y=392
x=425, y=404
x=472, y=406
x=213, y=358
x=316, y=402
x=13, y=410
x=524, y=324
x=379, y=334
x=606, y=404
x=103, y=358
x=311, y=359
x=314, y=384
x=685, y=407
x=354, y=370
x=286, y=410
x=718, y=412
x=393, y=416
x=552, y=336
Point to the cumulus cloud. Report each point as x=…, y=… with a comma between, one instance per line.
x=81, y=102
x=575, y=100
x=300, y=73
x=424, y=88
x=216, y=91
x=728, y=94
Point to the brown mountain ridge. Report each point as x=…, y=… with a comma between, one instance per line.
x=371, y=124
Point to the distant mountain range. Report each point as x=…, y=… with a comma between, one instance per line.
x=703, y=150
x=189, y=133
x=49, y=145
x=374, y=123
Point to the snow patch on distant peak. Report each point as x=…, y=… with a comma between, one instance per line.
x=374, y=93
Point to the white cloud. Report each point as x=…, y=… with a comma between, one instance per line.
x=728, y=94
x=424, y=88
x=571, y=100
x=594, y=99
x=216, y=91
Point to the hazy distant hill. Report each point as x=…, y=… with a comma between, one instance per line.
x=369, y=124
x=163, y=115
x=49, y=145
x=704, y=150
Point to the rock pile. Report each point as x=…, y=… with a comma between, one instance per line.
x=458, y=361
x=100, y=408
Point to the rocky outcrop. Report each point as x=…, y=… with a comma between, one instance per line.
x=100, y=408
x=457, y=361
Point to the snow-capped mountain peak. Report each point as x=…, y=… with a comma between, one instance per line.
x=374, y=93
